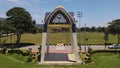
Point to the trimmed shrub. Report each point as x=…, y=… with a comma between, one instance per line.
x=88, y=54
x=24, y=52
x=29, y=59
x=12, y=51
x=85, y=58
x=112, y=51
x=90, y=50
x=4, y=50
x=88, y=60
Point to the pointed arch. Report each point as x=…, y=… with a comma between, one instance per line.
x=68, y=18
x=59, y=10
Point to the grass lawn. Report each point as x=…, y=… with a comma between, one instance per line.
x=93, y=38
x=100, y=60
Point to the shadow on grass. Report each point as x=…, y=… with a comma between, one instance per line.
x=13, y=45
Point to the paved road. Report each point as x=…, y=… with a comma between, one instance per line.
x=34, y=47
x=94, y=47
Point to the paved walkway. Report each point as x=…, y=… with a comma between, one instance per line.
x=64, y=49
x=59, y=53
x=34, y=47
x=56, y=53
x=59, y=49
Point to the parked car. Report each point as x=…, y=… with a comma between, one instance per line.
x=114, y=46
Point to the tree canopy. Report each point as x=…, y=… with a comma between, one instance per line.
x=20, y=20
x=114, y=28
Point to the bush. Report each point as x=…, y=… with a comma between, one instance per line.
x=88, y=60
x=88, y=54
x=4, y=50
x=90, y=50
x=112, y=51
x=12, y=51
x=39, y=48
x=24, y=52
x=29, y=59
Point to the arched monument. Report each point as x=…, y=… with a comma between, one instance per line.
x=59, y=18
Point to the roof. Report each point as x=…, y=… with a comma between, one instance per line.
x=71, y=13
x=50, y=15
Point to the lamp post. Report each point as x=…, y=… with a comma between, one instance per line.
x=79, y=15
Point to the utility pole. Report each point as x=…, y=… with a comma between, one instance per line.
x=79, y=15
x=85, y=39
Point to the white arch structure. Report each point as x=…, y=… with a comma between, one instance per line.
x=56, y=18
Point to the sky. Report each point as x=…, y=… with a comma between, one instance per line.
x=94, y=12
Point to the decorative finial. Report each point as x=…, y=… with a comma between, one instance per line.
x=59, y=6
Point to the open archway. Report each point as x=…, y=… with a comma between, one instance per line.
x=59, y=18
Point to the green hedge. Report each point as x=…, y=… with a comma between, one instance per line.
x=85, y=58
x=24, y=52
x=21, y=51
x=13, y=51
x=113, y=51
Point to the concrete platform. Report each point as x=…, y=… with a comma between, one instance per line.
x=56, y=57
x=60, y=59
x=59, y=63
x=71, y=57
x=60, y=55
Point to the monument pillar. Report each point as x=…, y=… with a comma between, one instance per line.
x=43, y=46
x=44, y=40
x=75, y=47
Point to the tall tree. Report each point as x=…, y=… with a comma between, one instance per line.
x=114, y=28
x=106, y=35
x=21, y=20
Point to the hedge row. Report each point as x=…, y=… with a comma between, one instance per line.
x=111, y=51
x=21, y=51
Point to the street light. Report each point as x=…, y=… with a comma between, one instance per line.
x=79, y=15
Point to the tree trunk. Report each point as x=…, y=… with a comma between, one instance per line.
x=18, y=38
x=11, y=38
x=118, y=38
x=105, y=44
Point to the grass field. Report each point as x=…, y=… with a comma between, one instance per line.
x=93, y=38
x=100, y=60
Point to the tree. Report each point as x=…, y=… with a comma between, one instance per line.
x=106, y=34
x=100, y=29
x=21, y=20
x=8, y=28
x=93, y=29
x=114, y=28
x=2, y=41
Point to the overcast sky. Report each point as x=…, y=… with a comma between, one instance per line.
x=95, y=12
